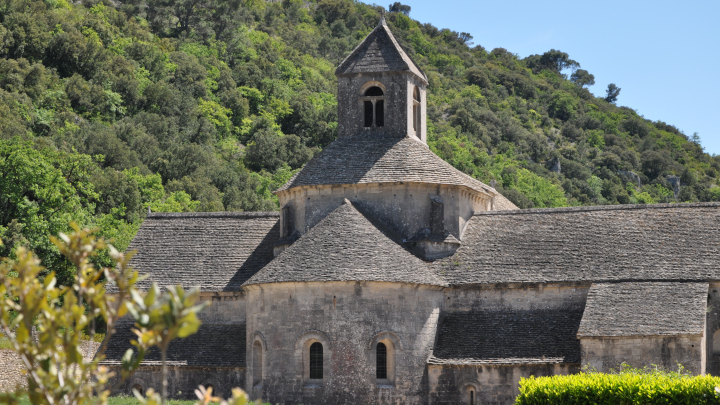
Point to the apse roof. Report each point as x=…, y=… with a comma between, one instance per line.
x=364, y=159
x=645, y=309
x=379, y=52
x=346, y=246
x=216, y=251
x=661, y=242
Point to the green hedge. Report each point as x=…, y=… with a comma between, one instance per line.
x=630, y=386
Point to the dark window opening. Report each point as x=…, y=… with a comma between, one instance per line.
x=288, y=224
x=210, y=388
x=416, y=111
x=381, y=361
x=374, y=92
x=316, y=361
x=138, y=388
x=379, y=113
x=368, y=114
x=257, y=363
x=437, y=216
x=472, y=397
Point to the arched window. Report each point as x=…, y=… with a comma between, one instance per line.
x=416, y=111
x=716, y=342
x=257, y=363
x=472, y=397
x=316, y=361
x=138, y=388
x=211, y=388
x=381, y=369
x=374, y=107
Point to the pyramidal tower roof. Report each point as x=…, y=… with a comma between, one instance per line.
x=379, y=52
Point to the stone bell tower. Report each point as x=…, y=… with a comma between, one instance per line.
x=381, y=90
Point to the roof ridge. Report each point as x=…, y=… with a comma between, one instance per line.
x=219, y=214
x=593, y=208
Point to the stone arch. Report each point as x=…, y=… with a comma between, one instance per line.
x=302, y=351
x=469, y=392
x=213, y=382
x=372, y=105
x=383, y=335
x=257, y=361
x=716, y=342
x=136, y=383
x=320, y=336
x=372, y=83
x=390, y=344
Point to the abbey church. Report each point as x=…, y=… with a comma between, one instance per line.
x=390, y=277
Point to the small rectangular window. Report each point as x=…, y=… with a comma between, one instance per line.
x=368, y=114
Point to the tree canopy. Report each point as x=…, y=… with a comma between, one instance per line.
x=108, y=109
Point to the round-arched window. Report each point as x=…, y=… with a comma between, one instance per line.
x=416, y=111
x=373, y=101
x=316, y=361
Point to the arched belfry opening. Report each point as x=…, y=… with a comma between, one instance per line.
x=373, y=101
x=416, y=112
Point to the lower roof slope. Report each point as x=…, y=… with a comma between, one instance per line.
x=589, y=244
x=214, y=345
x=380, y=159
x=216, y=251
x=536, y=336
x=346, y=246
x=644, y=309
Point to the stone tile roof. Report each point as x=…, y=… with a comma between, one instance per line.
x=214, y=251
x=214, y=345
x=346, y=246
x=644, y=309
x=365, y=159
x=379, y=52
x=589, y=244
x=508, y=336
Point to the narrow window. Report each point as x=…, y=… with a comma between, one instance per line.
x=368, y=114
x=316, y=361
x=379, y=113
x=437, y=216
x=288, y=223
x=416, y=111
x=138, y=388
x=472, y=397
x=716, y=342
x=257, y=363
x=381, y=362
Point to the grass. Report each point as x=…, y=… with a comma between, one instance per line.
x=4, y=343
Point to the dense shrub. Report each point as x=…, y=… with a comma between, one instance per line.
x=629, y=386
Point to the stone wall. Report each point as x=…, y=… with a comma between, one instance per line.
x=404, y=206
x=492, y=385
x=348, y=319
x=712, y=331
x=11, y=366
x=10, y=371
x=520, y=296
x=604, y=354
x=398, y=89
x=223, y=307
x=182, y=381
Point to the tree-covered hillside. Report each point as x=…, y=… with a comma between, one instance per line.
x=110, y=108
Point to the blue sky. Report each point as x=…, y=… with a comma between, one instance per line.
x=665, y=55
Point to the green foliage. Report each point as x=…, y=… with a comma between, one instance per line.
x=628, y=386
x=110, y=109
